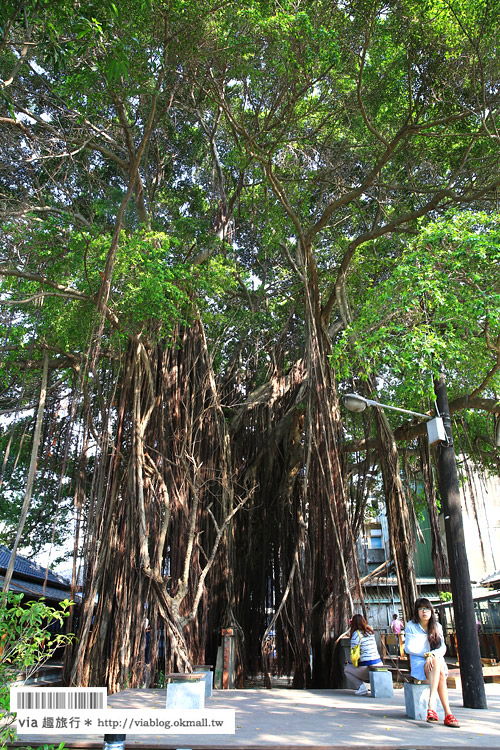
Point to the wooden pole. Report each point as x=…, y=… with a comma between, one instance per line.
x=471, y=672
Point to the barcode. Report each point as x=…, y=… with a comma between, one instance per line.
x=58, y=698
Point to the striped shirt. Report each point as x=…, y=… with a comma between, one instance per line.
x=369, y=650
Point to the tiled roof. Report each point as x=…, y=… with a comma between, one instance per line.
x=493, y=578
x=36, y=589
x=26, y=567
x=382, y=594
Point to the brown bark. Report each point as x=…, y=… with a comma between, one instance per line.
x=31, y=473
x=156, y=530
x=398, y=515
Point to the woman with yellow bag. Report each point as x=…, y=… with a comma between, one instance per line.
x=364, y=654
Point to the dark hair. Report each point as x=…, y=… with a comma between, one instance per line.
x=358, y=622
x=432, y=628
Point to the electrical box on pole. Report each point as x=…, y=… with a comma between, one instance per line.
x=435, y=431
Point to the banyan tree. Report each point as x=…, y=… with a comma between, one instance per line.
x=218, y=219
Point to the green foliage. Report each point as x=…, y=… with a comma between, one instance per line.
x=26, y=643
x=47, y=505
x=313, y=92
x=439, y=302
x=445, y=596
x=160, y=680
x=149, y=290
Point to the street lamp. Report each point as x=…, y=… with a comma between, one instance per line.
x=439, y=431
x=435, y=427
x=355, y=402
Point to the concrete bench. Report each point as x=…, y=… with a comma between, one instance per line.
x=417, y=699
x=208, y=677
x=380, y=683
x=185, y=690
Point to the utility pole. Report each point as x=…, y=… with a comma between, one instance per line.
x=471, y=670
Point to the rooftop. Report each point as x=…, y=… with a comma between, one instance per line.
x=28, y=578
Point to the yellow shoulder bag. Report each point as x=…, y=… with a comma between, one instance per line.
x=356, y=651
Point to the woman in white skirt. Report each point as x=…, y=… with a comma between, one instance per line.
x=424, y=642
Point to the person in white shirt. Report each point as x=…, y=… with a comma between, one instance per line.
x=363, y=634
x=424, y=642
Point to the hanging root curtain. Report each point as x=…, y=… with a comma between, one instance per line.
x=296, y=564
x=155, y=534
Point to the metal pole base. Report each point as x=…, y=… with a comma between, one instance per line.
x=114, y=742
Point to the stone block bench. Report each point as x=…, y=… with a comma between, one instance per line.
x=185, y=690
x=381, y=682
x=208, y=677
x=416, y=700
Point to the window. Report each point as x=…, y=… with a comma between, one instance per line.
x=376, y=538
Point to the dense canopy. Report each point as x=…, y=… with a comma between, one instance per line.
x=217, y=218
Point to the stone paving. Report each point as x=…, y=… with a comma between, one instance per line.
x=313, y=719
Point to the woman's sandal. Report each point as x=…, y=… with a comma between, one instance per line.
x=450, y=721
x=432, y=715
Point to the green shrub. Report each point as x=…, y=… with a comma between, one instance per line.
x=25, y=645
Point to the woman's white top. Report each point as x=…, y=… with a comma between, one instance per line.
x=417, y=644
x=369, y=651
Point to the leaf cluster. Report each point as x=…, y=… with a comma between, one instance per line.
x=26, y=643
x=436, y=302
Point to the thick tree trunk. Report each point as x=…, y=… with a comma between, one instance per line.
x=287, y=439
x=398, y=515
x=158, y=532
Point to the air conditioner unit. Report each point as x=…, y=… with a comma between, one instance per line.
x=436, y=431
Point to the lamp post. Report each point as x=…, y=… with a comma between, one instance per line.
x=355, y=402
x=471, y=671
x=439, y=430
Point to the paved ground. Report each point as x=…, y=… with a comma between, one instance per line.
x=314, y=720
